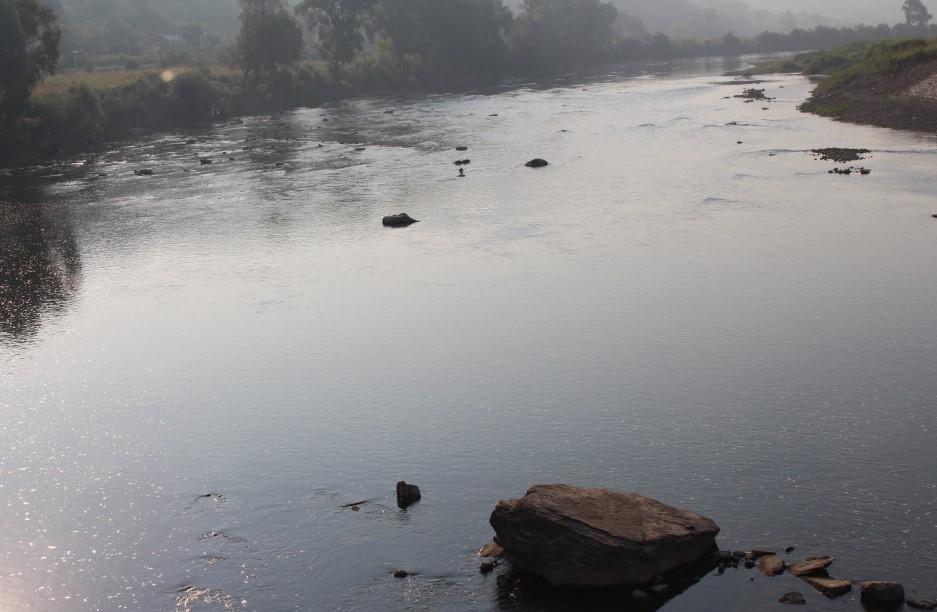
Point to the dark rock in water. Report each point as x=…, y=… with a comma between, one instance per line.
x=487, y=567
x=739, y=554
x=575, y=536
x=205, y=161
x=143, y=172
x=771, y=565
x=191, y=141
x=831, y=587
x=360, y=149
x=461, y=148
x=890, y=594
x=401, y=573
x=725, y=556
x=753, y=94
x=793, y=598
x=749, y=563
x=462, y=162
x=493, y=115
x=401, y=220
x=922, y=604
x=789, y=549
x=407, y=494
x=537, y=163
x=840, y=155
x=814, y=566
x=739, y=142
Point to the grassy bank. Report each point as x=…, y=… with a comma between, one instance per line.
x=888, y=84
x=80, y=111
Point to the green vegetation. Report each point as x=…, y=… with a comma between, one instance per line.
x=890, y=84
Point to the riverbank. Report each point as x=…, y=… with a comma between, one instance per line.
x=886, y=84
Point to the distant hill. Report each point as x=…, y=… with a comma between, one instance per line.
x=872, y=12
x=715, y=18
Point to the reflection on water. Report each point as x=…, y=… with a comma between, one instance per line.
x=202, y=368
x=40, y=265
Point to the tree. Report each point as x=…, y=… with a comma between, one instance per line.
x=338, y=25
x=457, y=36
x=553, y=33
x=269, y=36
x=29, y=49
x=916, y=14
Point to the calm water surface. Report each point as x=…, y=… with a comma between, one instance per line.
x=723, y=326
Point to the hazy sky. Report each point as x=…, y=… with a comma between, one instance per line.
x=851, y=11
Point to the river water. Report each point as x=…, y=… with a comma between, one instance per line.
x=693, y=310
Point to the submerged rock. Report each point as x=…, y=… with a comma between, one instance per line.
x=575, y=536
x=889, y=594
x=537, y=163
x=401, y=220
x=461, y=148
x=205, y=161
x=831, y=587
x=401, y=573
x=793, y=598
x=407, y=494
x=143, y=172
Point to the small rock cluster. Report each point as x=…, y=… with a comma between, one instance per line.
x=879, y=595
x=850, y=170
x=753, y=94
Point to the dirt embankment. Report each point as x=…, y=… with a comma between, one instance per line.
x=903, y=100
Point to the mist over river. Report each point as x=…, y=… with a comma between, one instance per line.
x=199, y=368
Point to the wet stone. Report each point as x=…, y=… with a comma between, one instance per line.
x=771, y=565
x=831, y=587
x=882, y=593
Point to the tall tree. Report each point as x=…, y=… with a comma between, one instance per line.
x=916, y=14
x=29, y=49
x=269, y=36
x=338, y=25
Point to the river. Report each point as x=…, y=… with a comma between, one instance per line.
x=199, y=368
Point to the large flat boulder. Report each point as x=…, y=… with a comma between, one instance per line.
x=574, y=536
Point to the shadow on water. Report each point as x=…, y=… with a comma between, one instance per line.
x=40, y=266
x=518, y=590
